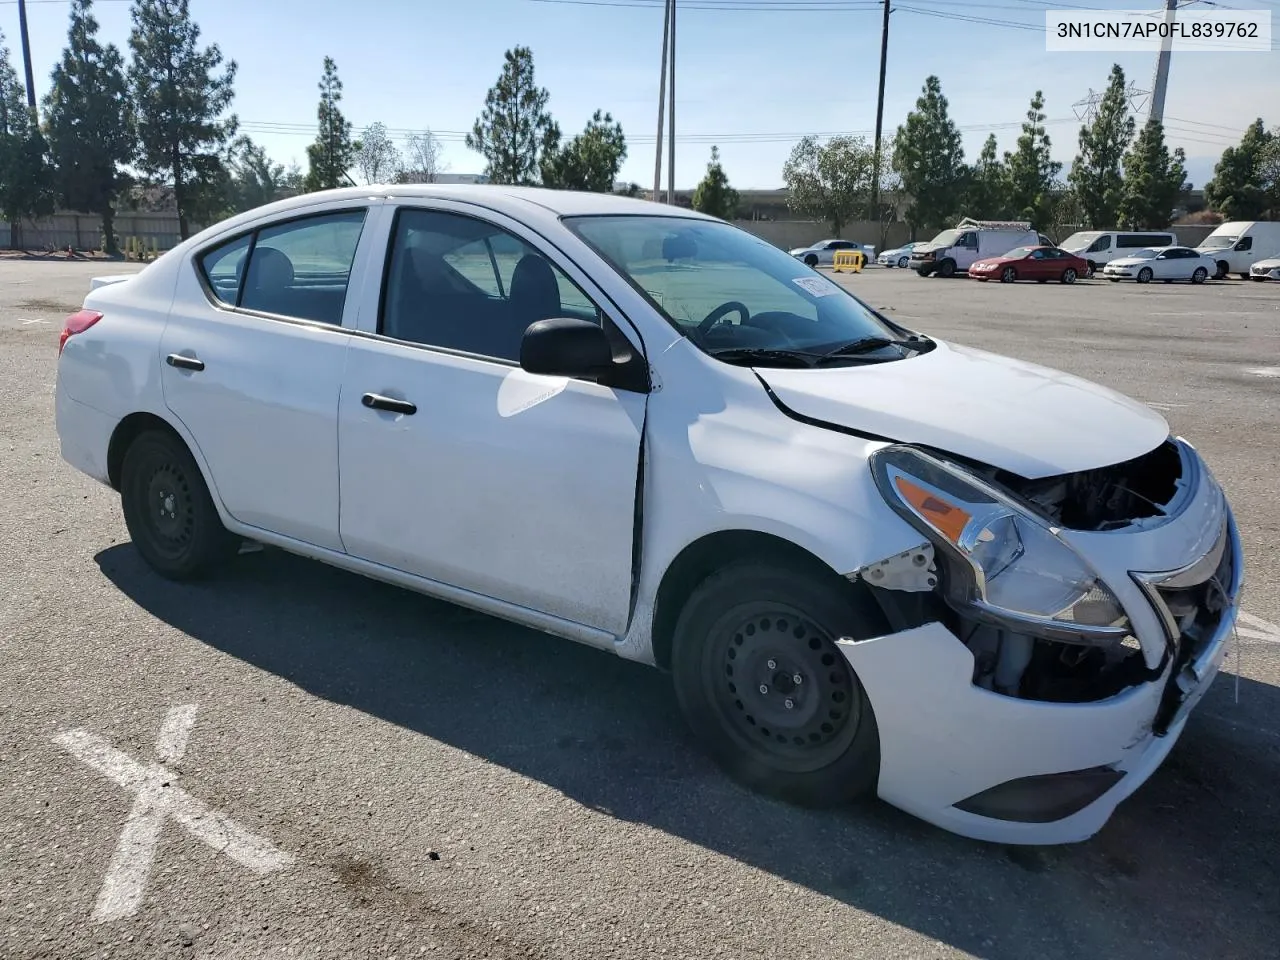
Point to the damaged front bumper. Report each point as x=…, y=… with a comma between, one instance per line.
x=1015, y=769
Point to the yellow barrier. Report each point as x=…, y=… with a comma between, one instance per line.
x=851, y=260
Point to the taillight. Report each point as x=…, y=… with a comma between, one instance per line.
x=78, y=322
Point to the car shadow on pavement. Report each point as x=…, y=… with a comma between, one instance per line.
x=1189, y=866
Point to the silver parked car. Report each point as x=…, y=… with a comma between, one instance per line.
x=823, y=252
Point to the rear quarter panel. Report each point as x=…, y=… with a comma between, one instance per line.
x=113, y=366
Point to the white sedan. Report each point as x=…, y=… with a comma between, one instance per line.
x=1161, y=263
x=872, y=561
x=1268, y=269
x=899, y=256
x=822, y=254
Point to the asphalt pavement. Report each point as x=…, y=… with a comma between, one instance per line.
x=351, y=770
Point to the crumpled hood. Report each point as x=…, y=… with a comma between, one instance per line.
x=1020, y=417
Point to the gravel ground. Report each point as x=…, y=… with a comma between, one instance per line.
x=452, y=786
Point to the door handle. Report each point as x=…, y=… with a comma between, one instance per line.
x=187, y=363
x=375, y=401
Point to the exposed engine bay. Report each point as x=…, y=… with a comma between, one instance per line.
x=1022, y=665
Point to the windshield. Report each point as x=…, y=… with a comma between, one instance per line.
x=1078, y=240
x=728, y=290
x=1017, y=253
x=946, y=238
x=1221, y=240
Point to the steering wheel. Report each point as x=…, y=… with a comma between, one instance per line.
x=720, y=312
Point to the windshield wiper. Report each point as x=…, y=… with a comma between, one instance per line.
x=774, y=355
x=865, y=345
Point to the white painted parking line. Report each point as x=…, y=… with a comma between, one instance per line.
x=26, y=323
x=157, y=799
x=1255, y=628
x=1265, y=371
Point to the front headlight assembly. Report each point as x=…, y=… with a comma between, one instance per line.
x=1004, y=565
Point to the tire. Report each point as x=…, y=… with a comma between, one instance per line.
x=1093, y=268
x=1223, y=269
x=1114, y=279
x=903, y=261
x=1200, y=275
x=947, y=268
x=745, y=617
x=811, y=261
x=923, y=273
x=167, y=508
x=1145, y=275
x=1244, y=276
x=1008, y=275
x=1069, y=275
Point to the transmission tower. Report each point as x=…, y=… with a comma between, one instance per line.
x=1087, y=108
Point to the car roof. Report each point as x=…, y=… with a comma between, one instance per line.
x=496, y=196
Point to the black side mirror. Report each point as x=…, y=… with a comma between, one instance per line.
x=565, y=347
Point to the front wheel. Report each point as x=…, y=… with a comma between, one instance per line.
x=763, y=685
x=1145, y=275
x=947, y=268
x=903, y=261
x=811, y=261
x=1008, y=275
x=1091, y=270
x=168, y=511
x=1223, y=269
x=1200, y=275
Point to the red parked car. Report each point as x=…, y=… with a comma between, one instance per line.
x=1031, y=263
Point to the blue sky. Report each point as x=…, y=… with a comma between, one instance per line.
x=751, y=80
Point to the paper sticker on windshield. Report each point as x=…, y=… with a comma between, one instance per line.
x=817, y=286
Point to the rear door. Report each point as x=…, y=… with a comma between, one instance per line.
x=456, y=464
x=252, y=361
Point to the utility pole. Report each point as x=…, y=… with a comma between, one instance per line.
x=1162, y=63
x=884, y=57
x=671, y=115
x=26, y=54
x=662, y=95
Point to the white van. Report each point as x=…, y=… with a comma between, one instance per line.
x=1238, y=245
x=961, y=247
x=1100, y=247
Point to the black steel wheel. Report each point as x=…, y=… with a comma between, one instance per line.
x=811, y=261
x=947, y=268
x=763, y=684
x=167, y=508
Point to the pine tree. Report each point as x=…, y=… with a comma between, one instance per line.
x=930, y=160
x=1095, y=176
x=515, y=130
x=714, y=196
x=1238, y=189
x=590, y=161
x=988, y=189
x=180, y=104
x=1153, y=180
x=1032, y=170
x=333, y=151
x=89, y=121
x=26, y=176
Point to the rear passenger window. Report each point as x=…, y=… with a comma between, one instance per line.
x=297, y=269
x=222, y=267
x=301, y=268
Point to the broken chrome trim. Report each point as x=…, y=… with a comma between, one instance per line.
x=1193, y=574
x=1063, y=631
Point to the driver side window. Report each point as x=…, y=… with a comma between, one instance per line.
x=463, y=284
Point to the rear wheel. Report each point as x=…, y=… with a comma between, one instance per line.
x=1069, y=275
x=167, y=508
x=1200, y=275
x=763, y=685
